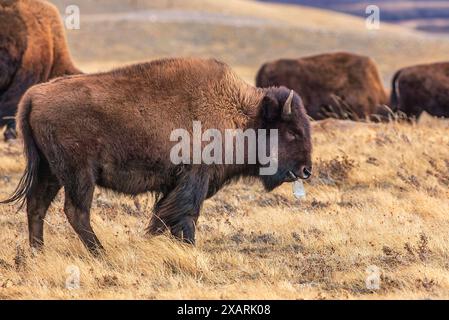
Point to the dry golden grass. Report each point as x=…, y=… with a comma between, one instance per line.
x=380, y=197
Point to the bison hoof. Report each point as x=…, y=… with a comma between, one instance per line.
x=10, y=134
x=185, y=231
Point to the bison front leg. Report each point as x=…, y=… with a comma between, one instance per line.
x=20, y=82
x=179, y=209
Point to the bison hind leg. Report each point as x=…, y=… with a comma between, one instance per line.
x=79, y=190
x=38, y=201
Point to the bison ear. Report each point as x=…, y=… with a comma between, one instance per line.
x=270, y=108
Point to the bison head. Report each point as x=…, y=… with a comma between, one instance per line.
x=282, y=109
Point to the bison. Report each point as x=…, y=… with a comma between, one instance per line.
x=113, y=130
x=341, y=84
x=421, y=88
x=33, y=49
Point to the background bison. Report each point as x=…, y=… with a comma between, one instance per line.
x=88, y=138
x=341, y=85
x=33, y=49
x=422, y=88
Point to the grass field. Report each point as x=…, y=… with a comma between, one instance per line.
x=377, y=205
x=379, y=199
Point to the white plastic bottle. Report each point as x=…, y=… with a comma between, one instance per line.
x=298, y=189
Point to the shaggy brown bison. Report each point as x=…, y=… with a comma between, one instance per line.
x=341, y=85
x=422, y=88
x=113, y=130
x=33, y=49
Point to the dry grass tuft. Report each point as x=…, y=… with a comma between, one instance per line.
x=335, y=171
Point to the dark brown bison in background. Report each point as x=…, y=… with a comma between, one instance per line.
x=422, y=88
x=33, y=49
x=113, y=130
x=341, y=85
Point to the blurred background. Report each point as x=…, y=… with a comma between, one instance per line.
x=425, y=15
x=246, y=33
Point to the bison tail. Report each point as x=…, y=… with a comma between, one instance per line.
x=29, y=177
x=395, y=95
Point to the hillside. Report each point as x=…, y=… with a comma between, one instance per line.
x=242, y=33
x=431, y=16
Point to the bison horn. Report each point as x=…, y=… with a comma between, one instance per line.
x=287, y=110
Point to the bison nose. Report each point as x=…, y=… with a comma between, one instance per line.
x=306, y=172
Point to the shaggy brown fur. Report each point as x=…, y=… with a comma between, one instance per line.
x=112, y=130
x=422, y=88
x=33, y=49
x=342, y=85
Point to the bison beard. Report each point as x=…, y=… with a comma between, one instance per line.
x=33, y=49
x=113, y=130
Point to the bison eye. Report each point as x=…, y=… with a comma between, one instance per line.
x=292, y=135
